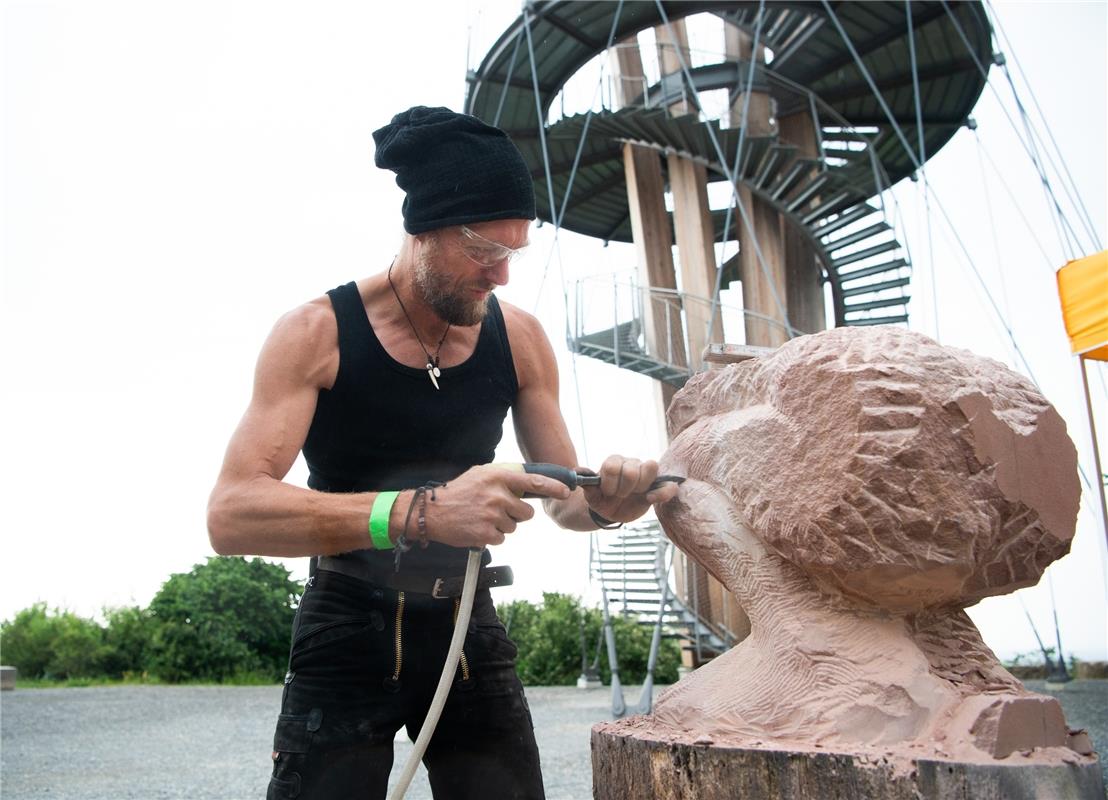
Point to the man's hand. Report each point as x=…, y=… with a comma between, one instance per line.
x=623, y=494
x=483, y=504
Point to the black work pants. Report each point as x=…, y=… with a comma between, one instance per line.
x=364, y=663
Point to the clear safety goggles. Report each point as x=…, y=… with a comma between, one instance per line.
x=484, y=251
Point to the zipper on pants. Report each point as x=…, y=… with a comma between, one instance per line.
x=463, y=662
x=399, y=637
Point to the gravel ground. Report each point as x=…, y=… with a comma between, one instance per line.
x=1085, y=704
x=213, y=742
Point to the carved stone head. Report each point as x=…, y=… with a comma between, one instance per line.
x=894, y=472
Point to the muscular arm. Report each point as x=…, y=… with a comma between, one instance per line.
x=253, y=511
x=543, y=436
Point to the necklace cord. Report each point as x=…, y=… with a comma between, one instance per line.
x=431, y=362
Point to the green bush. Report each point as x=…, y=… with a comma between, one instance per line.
x=228, y=620
x=52, y=644
x=228, y=617
x=127, y=638
x=549, y=640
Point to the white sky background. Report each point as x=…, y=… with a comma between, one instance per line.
x=176, y=176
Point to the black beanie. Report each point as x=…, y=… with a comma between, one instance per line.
x=454, y=169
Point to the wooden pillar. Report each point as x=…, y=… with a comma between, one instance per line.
x=696, y=251
x=738, y=45
x=688, y=181
x=762, y=272
x=650, y=224
x=804, y=287
x=692, y=218
x=761, y=266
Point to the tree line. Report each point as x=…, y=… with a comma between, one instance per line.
x=228, y=620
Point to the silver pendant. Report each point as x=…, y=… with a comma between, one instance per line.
x=433, y=373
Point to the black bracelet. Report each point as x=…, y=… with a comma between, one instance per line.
x=403, y=544
x=603, y=523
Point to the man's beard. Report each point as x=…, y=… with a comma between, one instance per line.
x=437, y=292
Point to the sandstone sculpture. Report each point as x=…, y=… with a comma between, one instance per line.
x=856, y=490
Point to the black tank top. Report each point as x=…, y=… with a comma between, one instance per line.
x=383, y=425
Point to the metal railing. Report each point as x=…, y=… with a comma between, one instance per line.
x=657, y=332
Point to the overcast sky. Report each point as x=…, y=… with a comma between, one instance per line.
x=178, y=175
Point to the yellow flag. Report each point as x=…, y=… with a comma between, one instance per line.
x=1083, y=290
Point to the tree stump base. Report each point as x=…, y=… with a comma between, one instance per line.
x=627, y=764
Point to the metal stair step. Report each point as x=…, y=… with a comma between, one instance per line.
x=868, y=252
x=845, y=218
x=857, y=236
x=809, y=191
x=785, y=26
x=650, y=592
x=886, y=303
x=841, y=134
x=870, y=288
x=828, y=207
x=840, y=148
x=778, y=157
x=754, y=150
x=876, y=269
x=789, y=176
x=878, y=320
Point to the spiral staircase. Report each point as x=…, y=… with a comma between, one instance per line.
x=884, y=85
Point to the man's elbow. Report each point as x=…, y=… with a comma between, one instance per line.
x=221, y=524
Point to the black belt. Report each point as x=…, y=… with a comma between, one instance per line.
x=439, y=586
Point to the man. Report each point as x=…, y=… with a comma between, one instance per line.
x=396, y=388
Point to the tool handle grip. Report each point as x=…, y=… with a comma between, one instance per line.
x=563, y=475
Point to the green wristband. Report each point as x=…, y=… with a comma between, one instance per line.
x=379, y=520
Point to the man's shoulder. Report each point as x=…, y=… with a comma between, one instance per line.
x=306, y=338
x=310, y=322
x=531, y=350
x=518, y=321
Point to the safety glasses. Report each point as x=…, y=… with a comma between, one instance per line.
x=484, y=251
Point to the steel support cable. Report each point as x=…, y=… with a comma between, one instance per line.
x=1061, y=223
x=1061, y=220
x=585, y=130
x=550, y=194
x=1050, y=263
x=507, y=81
x=731, y=177
x=992, y=227
x=1070, y=189
x=1078, y=202
x=538, y=112
x=931, y=259
x=925, y=184
x=915, y=81
x=738, y=162
x=1059, y=217
x=557, y=216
